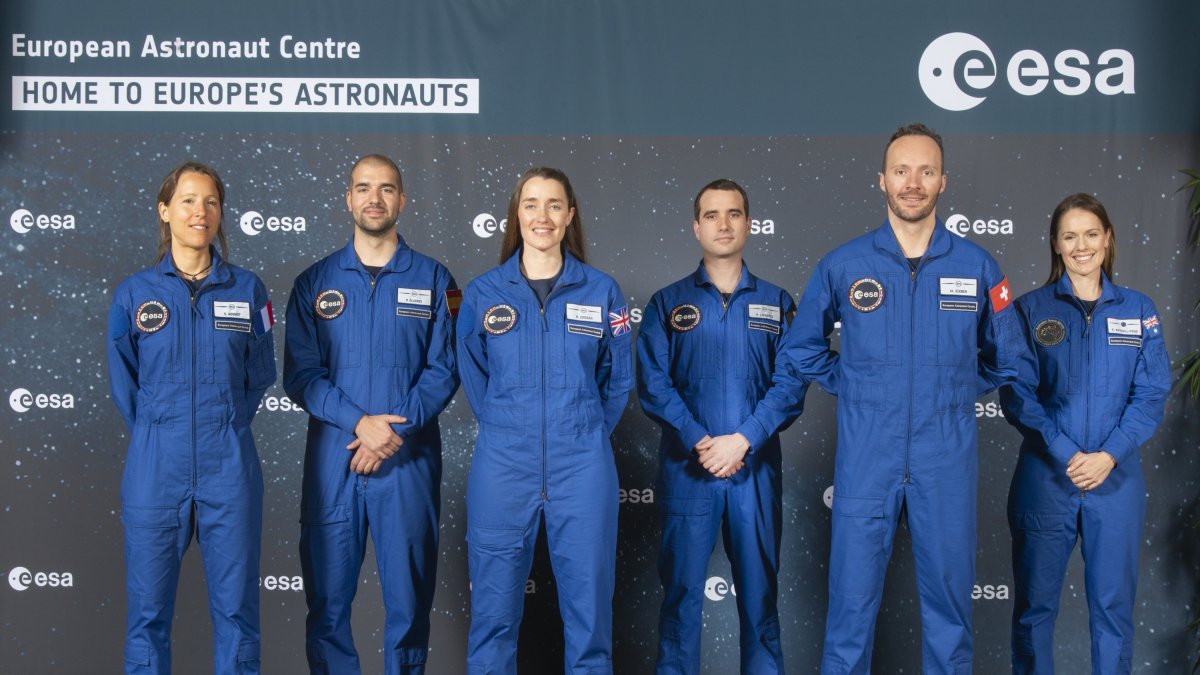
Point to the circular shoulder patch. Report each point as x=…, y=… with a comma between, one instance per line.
x=499, y=319
x=866, y=295
x=151, y=316
x=685, y=318
x=329, y=304
x=1049, y=332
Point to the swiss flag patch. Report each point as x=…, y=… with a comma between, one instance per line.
x=1001, y=296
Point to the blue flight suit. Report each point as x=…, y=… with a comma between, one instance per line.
x=187, y=373
x=1086, y=383
x=360, y=346
x=548, y=387
x=917, y=348
x=704, y=368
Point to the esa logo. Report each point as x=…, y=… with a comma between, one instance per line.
x=956, y=69
x=635, y=496
x=485, y=225
x=20, y=578
x=22, y=221
x=989, y=592
x=989, y=409
x=253, y=222
x=717, y=589
x=22, y=400
x=282, y=583
x=762, y=226
x=962, y=225
x=279, y=403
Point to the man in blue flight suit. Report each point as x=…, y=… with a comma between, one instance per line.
x=925, y=329
x=370, y=356
x=706, y=357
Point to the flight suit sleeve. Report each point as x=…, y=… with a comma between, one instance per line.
x=439, y=378
x=122, y=359
x=999, y=335
x=614, y=368
x=472, y=357
x=807, y=355
x=1019, y=397
x=656, y=390
x=260, y=357
x=305, y=378
x=784, y=401
x=1147, y=392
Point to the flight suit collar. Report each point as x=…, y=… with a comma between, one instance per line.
x=400, y=261
x=939, y=243
x=219, y=274
x=747, y=282
x=1109, y=292
x=572, y=269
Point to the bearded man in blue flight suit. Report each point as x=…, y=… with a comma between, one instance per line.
x=706, y=357
x=370, y=356
x=925, y=329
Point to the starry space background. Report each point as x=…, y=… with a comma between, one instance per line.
x=59, y=488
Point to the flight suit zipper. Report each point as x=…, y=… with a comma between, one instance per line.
x=192, y=309
x=542, y=375
x=370, y=352
x=912, y=353
x=1087, y=379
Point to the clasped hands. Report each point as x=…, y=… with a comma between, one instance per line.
x=1088, y=470
x=722, y=456
x=374, y=442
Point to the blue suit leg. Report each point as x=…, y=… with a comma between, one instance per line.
x=499, y=560
x=332, y=544
x=752, y=536
x=941, y=517
x=230, y=535
x=402, y=505
x=1042, y=545
x=155, y=540
x=1110, y=535
x=581, y=533
x=689, y=533
x=863, y=531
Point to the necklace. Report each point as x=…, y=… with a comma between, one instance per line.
x=196, y=275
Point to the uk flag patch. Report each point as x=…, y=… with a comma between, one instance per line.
x=618, y=321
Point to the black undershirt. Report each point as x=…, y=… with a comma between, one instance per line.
x=542, y=287
x=373, y=270
x=1089, y=306
x=914, y=263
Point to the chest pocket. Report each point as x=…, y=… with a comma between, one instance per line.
x=949, y=322
x=869, y=336
x=224, y=341
x=1059, y=344
x=342, y=338
x=511, y=355
x=161, y=353
x=578, y=345
x=1116, y=354
x=695, y=332
x=409, y=330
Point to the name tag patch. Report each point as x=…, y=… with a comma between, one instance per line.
x=231, y=310
x=1124, y=341
x=590, y=313
x=414, y=296
x=413, y=312
x=1125, y=327
x=968, y=288
x=958, y=305
x=764, y=312
x=231, y=324
x=763, y=325
x=590, y=331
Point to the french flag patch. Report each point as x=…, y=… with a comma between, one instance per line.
x=266, y=319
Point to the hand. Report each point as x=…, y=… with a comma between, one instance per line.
x=1088, y=470
x=722, y=456
x=374, y=436
x=365, y=463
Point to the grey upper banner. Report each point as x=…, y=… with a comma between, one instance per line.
x=602, y=68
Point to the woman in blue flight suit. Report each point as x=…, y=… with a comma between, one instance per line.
x=544, y=351
x=190, y=355
x=1091, y=389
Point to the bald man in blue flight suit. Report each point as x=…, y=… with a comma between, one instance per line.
x=370, y=356
x=706, y=356
x=925, y=329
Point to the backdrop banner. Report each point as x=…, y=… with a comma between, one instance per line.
x=641, y=104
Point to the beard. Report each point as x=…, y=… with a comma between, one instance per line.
x=912, y=215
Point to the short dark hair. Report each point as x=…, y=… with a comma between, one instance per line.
x=914, y=129
x=573, y=239
x=1084, y=202
x=721, y=184
x=378, y=159
x=167, y=190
